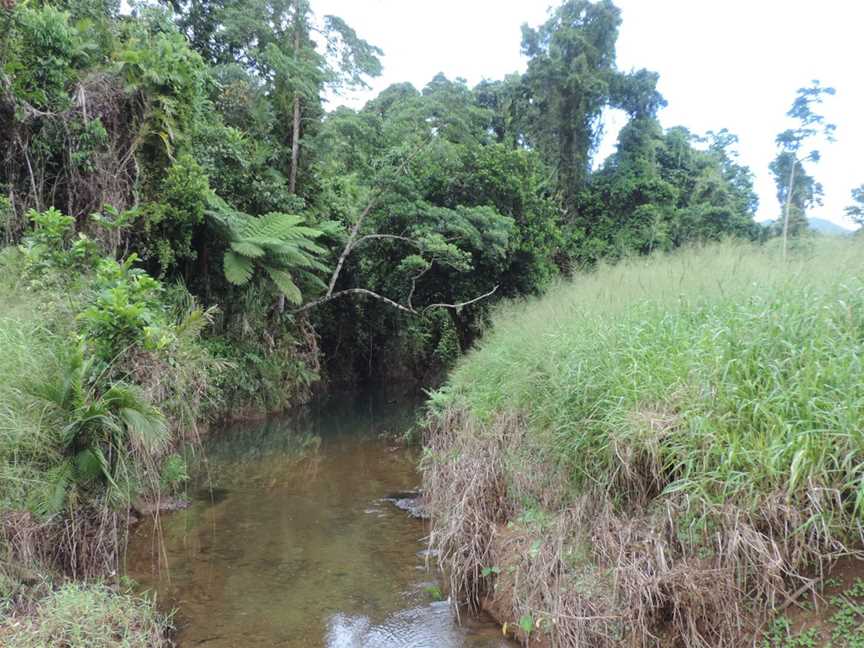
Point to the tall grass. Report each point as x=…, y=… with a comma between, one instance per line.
x=691, y=425
x=31, y=334
x=746, y=373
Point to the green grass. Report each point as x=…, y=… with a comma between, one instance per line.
x=733, y=375
x=31, y=333
x=91, y=616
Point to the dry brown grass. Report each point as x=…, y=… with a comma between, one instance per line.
x=660, y=570
x=81, y=545
x=464, y=484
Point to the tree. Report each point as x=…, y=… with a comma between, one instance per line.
x=571, y=62
x=805, y=193
x=789, y=162
x=856, y=210
x=277, y=42
x=661, y=190
x=571, y=78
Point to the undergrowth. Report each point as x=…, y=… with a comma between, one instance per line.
x=696, y=418
x=103, y=376
x=94, y=616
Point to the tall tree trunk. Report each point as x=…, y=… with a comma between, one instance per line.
x=789, y=191
x=295, y=136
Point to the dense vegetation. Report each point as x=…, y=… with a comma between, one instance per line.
x=188, y=235
x=673, y=441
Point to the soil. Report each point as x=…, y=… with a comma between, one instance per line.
x=813, y=608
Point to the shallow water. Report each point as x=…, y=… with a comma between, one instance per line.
x=289, y=543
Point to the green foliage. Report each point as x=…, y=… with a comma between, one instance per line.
x=84, y=423
x=50, y=250
x=281, y=245
x=723, y=343
x=169, y=225
x=659, y=191
x=91, y=615
x=856, y=210
x=779, y=636
x=45, y=50
x=90, y=138
x=126, y=312
x=96, y=432
x=7, y=215
x=571, y=77
x=841, y=618
x=434, y=592
x=174, y=474
x=170, y=81
x=848, y=618
x=796, y=189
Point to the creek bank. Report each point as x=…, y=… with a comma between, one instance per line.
x=675, y=457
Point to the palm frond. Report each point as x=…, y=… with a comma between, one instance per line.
x=144, y=424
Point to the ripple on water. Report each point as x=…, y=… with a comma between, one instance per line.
x=427, y=626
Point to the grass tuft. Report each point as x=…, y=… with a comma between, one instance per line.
x=95, y=616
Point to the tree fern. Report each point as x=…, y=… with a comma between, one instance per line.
x=281, y=245
x=286, y=285
x=238, y=268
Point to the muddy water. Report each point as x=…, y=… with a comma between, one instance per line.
x=289, y=543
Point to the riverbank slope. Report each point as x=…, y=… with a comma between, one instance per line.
x=666, y=448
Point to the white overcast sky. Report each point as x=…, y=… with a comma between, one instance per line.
x=734, y=64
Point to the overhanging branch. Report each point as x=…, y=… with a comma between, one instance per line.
x=410, y=310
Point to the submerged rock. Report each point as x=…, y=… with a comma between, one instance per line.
x=412, y=502
x=162, y=505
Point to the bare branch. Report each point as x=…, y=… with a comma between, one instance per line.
x=394, y=237
x=462, y=304
x=355, y=291
x=405, y=309
x=354, y=240
x=349, y=245
x=414, y=284
x=355, y=229
x=32, y=177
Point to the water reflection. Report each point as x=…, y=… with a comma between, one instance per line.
x=289, y=542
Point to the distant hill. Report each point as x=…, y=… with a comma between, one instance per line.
x=827, y=227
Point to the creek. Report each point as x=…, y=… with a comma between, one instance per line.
x=290, y=540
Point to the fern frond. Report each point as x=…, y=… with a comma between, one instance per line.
x=286, y=285
x=50, y=496
x=194, y=322
x=247, y=248
x=238, y=269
